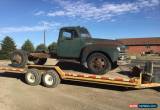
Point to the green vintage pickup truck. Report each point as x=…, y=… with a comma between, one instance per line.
x=75, y=43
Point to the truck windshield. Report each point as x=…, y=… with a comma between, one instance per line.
x=85, y=33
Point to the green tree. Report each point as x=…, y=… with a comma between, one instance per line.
x=8, y=45
x=28, y=46
x=41, y=47
x=52, y=46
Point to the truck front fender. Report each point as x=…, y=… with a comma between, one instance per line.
x=110, y=51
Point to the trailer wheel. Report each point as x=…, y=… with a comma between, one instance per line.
x=19, y=58
x=33, y=77
x=50, y=79
x=40, y=61
x=98, y=63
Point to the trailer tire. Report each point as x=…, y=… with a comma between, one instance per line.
x=51, y=79
x=33, y=77
x=40, y=61
x=98, y=63
x=19, y=58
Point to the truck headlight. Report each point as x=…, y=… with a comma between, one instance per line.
x=119, y=49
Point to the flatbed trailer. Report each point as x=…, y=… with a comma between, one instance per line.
x=50, y=76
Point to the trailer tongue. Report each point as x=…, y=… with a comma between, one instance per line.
x=51, y=76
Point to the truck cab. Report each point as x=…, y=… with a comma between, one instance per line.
x=71, y=40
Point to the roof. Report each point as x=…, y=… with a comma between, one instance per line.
x=73, y=27
x=140, y=41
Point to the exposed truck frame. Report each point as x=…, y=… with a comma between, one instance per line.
x=51, y=76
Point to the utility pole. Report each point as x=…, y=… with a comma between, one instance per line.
x=44, y=37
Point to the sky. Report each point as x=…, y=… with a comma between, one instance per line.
x=108, y=19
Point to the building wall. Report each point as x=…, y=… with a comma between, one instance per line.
x=136, y=50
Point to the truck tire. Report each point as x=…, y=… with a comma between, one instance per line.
x=33, y=77
x=98, y=63
x=40, y=61
x=19, y=58
x=50, y=79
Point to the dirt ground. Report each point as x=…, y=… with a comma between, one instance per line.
x=17, y=95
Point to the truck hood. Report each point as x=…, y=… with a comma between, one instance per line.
x=105, y=42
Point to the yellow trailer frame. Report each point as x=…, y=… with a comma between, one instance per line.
x=135, y=82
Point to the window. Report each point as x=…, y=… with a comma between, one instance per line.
x=84, y=33
x=66, y=34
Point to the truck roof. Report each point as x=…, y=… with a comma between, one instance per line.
x=73, y=27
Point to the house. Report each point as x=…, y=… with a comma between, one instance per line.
x=137, y=46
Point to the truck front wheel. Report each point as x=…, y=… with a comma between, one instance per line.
x=98, y=63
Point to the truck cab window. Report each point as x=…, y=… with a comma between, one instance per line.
x=67, y=35
x=85, y=33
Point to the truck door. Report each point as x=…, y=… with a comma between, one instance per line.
x=69, y=44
